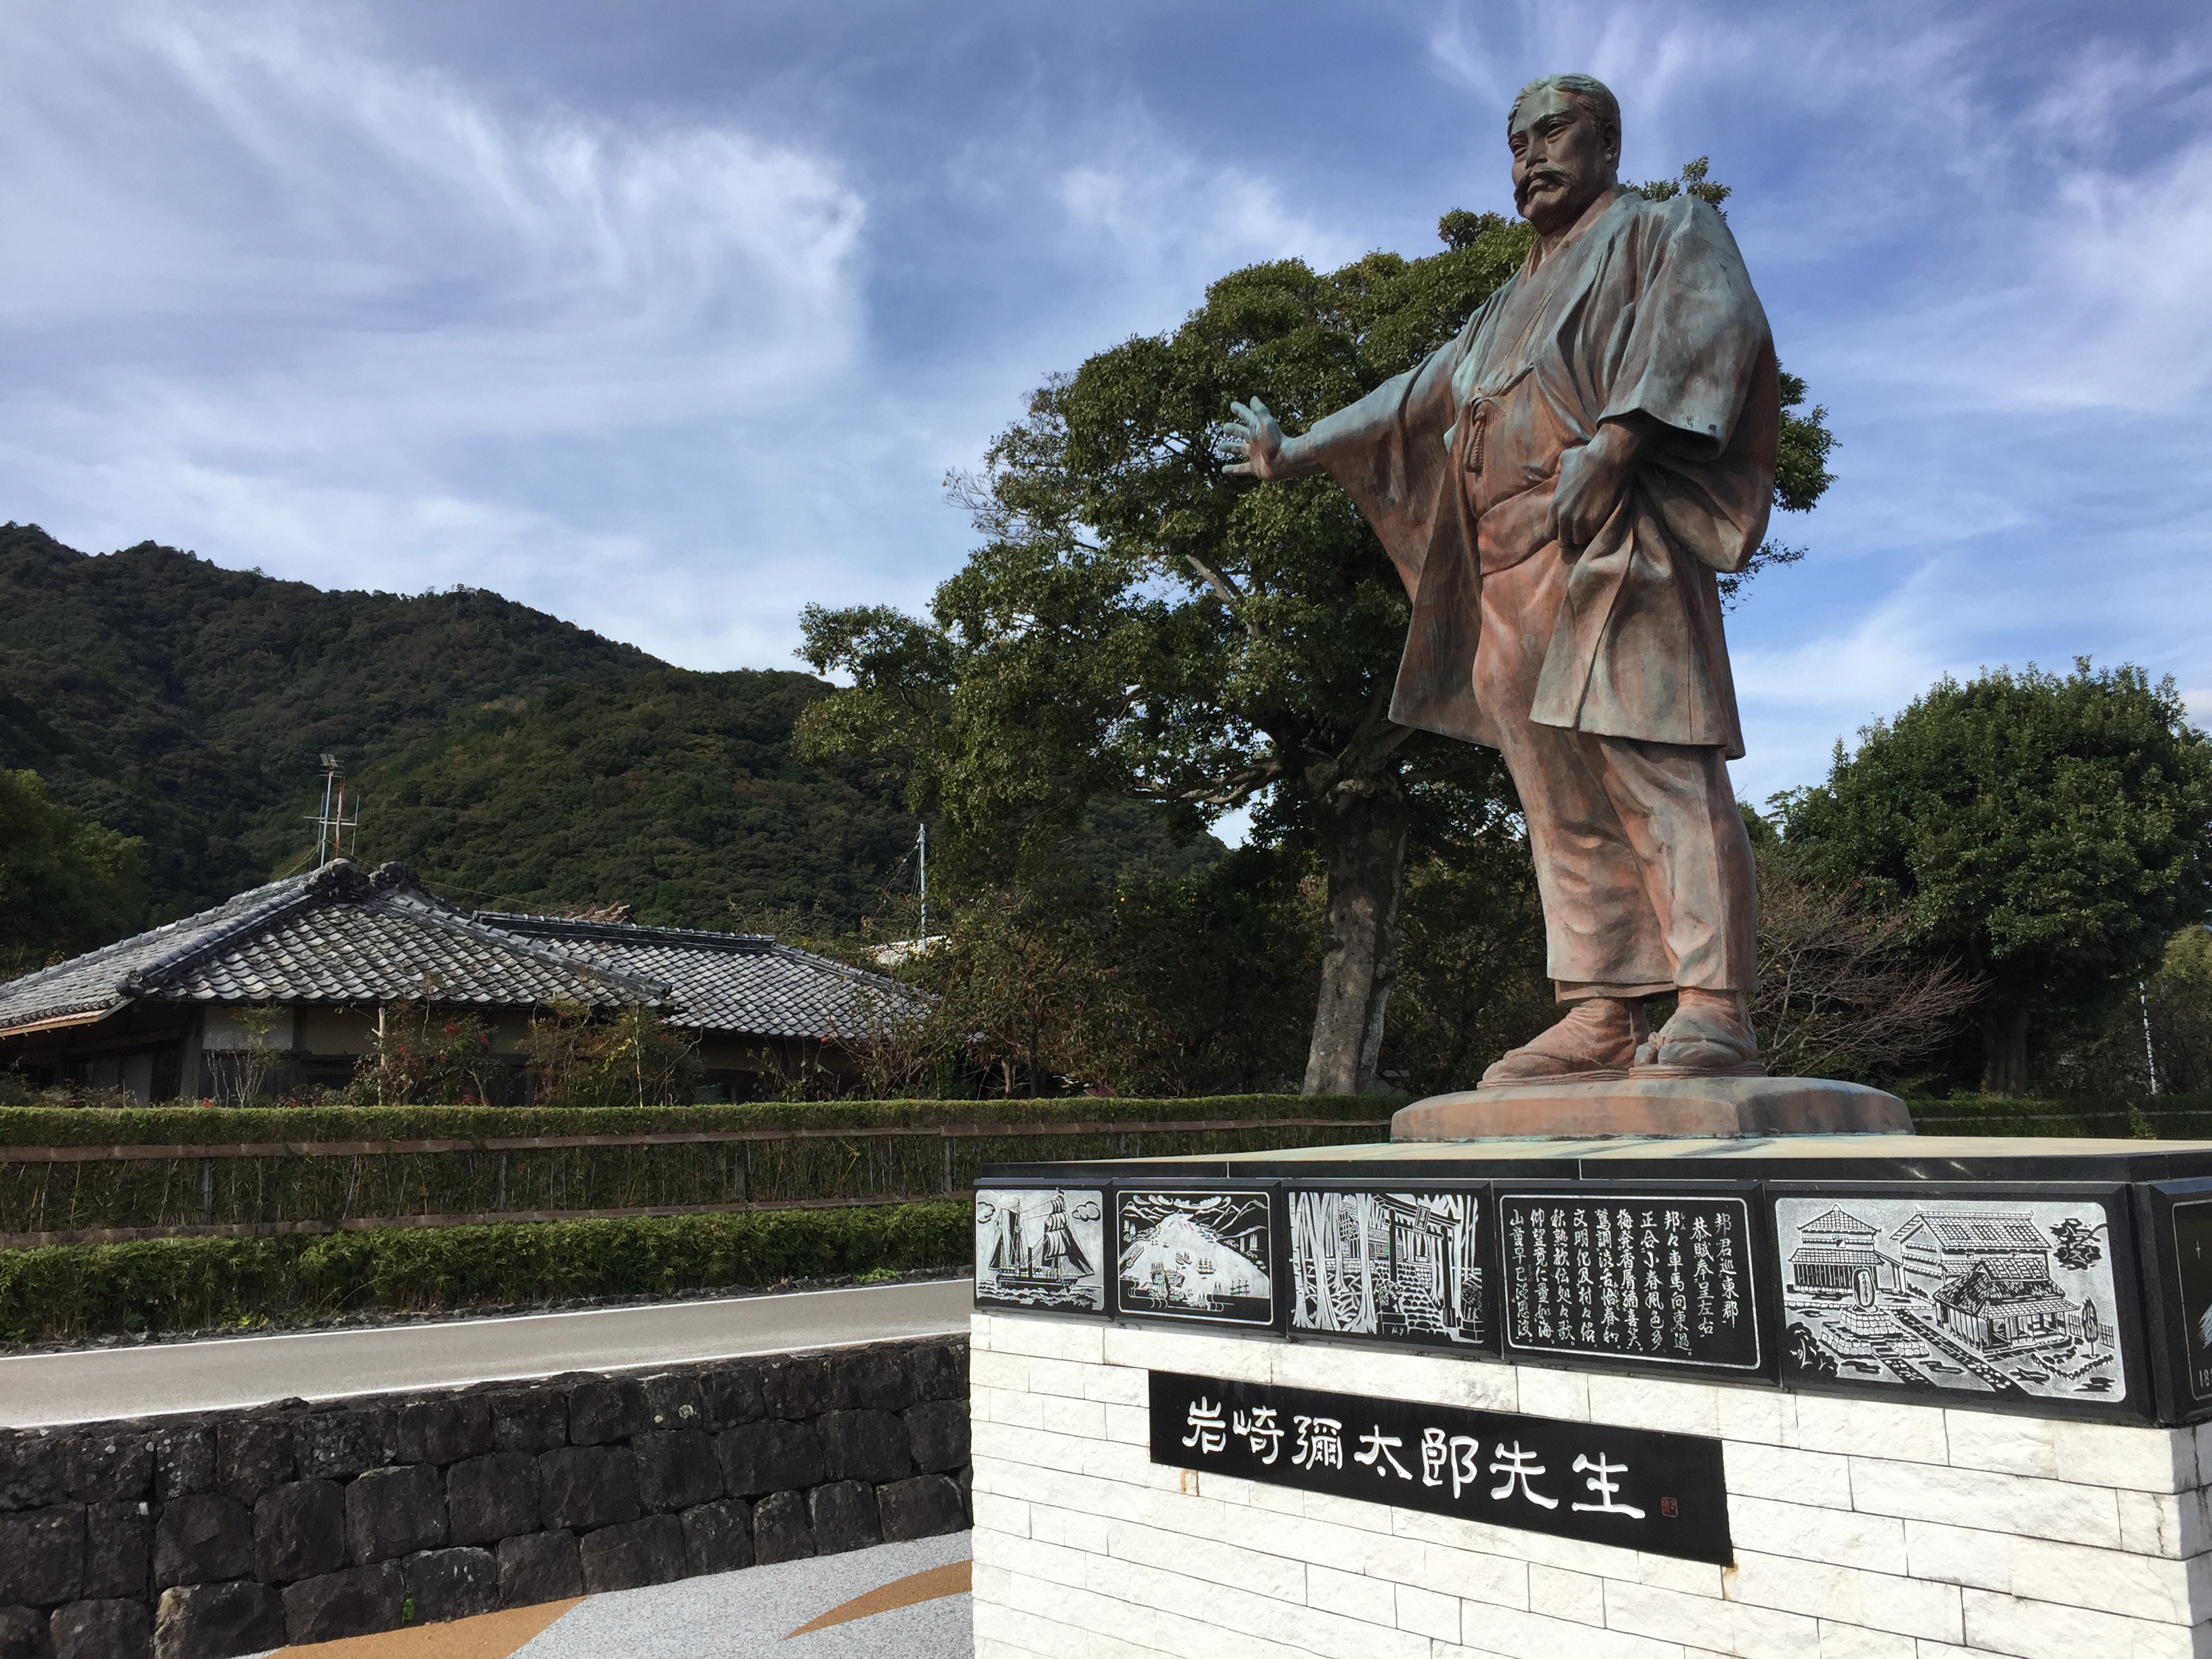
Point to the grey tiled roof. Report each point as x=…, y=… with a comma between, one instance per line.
x=340, y=935
x=738, y=982
x=337, y=935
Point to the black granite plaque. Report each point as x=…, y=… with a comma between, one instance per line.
x=1649, y=1278
x=1403, y=1264
x=1197, y=1253
x=1041, y=1249
x=1638, y=1489
x=2014, y=1297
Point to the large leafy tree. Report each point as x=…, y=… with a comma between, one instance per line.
x=1137, y=623
x=66, y=883
x=2050, y=833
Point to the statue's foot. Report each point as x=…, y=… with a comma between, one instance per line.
x=1710, y=1032
x=1598, y=1038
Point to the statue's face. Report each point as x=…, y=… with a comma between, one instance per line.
x=1562, y=159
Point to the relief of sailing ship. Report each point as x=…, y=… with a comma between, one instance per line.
x=1034, y=1255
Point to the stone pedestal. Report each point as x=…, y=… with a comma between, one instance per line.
x=1863, y=1529
x=1710, y=1108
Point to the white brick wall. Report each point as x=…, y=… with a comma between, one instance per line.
x=1864, y=1529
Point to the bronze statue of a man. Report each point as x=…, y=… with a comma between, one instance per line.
x=1557, y=487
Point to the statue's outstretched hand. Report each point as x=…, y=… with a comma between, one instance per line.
x=1251, y=425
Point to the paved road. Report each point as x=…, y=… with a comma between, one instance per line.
x=93, y=1384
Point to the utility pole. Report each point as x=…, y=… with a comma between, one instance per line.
x=921, y=871
x=2150, y=1054
x=332, y=823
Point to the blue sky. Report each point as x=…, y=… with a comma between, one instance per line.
x=670, y=319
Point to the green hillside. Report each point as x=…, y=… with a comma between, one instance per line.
x=509, y=754
x=672, y=792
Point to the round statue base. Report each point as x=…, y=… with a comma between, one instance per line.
x=1711, y=1107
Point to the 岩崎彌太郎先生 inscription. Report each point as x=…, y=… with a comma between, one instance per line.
x=1654, y=1278
x=1637, y=1488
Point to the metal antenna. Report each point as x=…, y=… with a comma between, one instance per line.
x=331, y=825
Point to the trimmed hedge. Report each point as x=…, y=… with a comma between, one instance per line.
x=63, y=1292
x=89, y=1126
x=476, y=1181
x=2164, y=1117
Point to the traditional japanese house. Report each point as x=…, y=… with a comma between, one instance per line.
x=1936, y=1245
x=2001, y=1316
x=1838, y=1251
x=287, y=986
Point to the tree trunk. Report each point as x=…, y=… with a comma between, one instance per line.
x=2004, y=1048
x=1363, y=827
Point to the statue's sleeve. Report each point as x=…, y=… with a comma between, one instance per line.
x=1387, y=453
x=1698, y=359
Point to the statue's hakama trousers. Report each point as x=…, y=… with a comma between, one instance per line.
x=1641, y=855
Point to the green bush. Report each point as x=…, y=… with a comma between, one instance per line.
x=150, y=1285
x=2162, y=1117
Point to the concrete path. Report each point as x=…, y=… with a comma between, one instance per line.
x=97, y=1383
x=907, y=1600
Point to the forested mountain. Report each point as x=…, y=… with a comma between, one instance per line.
x=511, y=755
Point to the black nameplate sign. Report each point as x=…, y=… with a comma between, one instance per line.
x=1652, y=1279
x=1638, y=1489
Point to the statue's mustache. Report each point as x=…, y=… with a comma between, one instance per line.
x=1537, y=179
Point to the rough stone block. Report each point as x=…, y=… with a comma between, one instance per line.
x=42, y=1556
x=533, y=1419
x=586, y=1486
x=111, y=1629
x=106, y=1466
x=636, y=1553
x=118, y=1550
x=782, y=1530
x=797, y=1389
x=921, y=1507
x=606, y=1410
x=937, y=1432
x=491, y=1498
x=676, y=1468
x=23, y=1634
x=770, y=1456
x=184, y=1460
x=864, y=1445
x=395, y=1513
x=358, y=1602
x=456, y=1583
x=718, y=1537
x=734, y=1395
x=253, y=1454
x=674, y=1400
x=445, y=1431
x=202, y=1540
x=542, y=1566
x=872, y=1379
x=30, y=1475
x=939, y=1370
x=298, y=1531
x=844, y=1517
x=339, y=1445
x=217, y=1621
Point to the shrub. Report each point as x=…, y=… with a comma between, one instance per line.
x=151, y=1286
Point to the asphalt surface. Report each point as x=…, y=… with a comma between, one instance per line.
x=93, y=1384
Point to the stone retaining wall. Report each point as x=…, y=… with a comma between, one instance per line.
x=226, y=1533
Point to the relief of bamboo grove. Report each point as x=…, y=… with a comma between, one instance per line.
x=1397, y=1266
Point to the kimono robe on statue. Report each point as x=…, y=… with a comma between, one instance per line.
x=1600, y=673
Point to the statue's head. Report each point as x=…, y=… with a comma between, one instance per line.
x=1564, y=131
